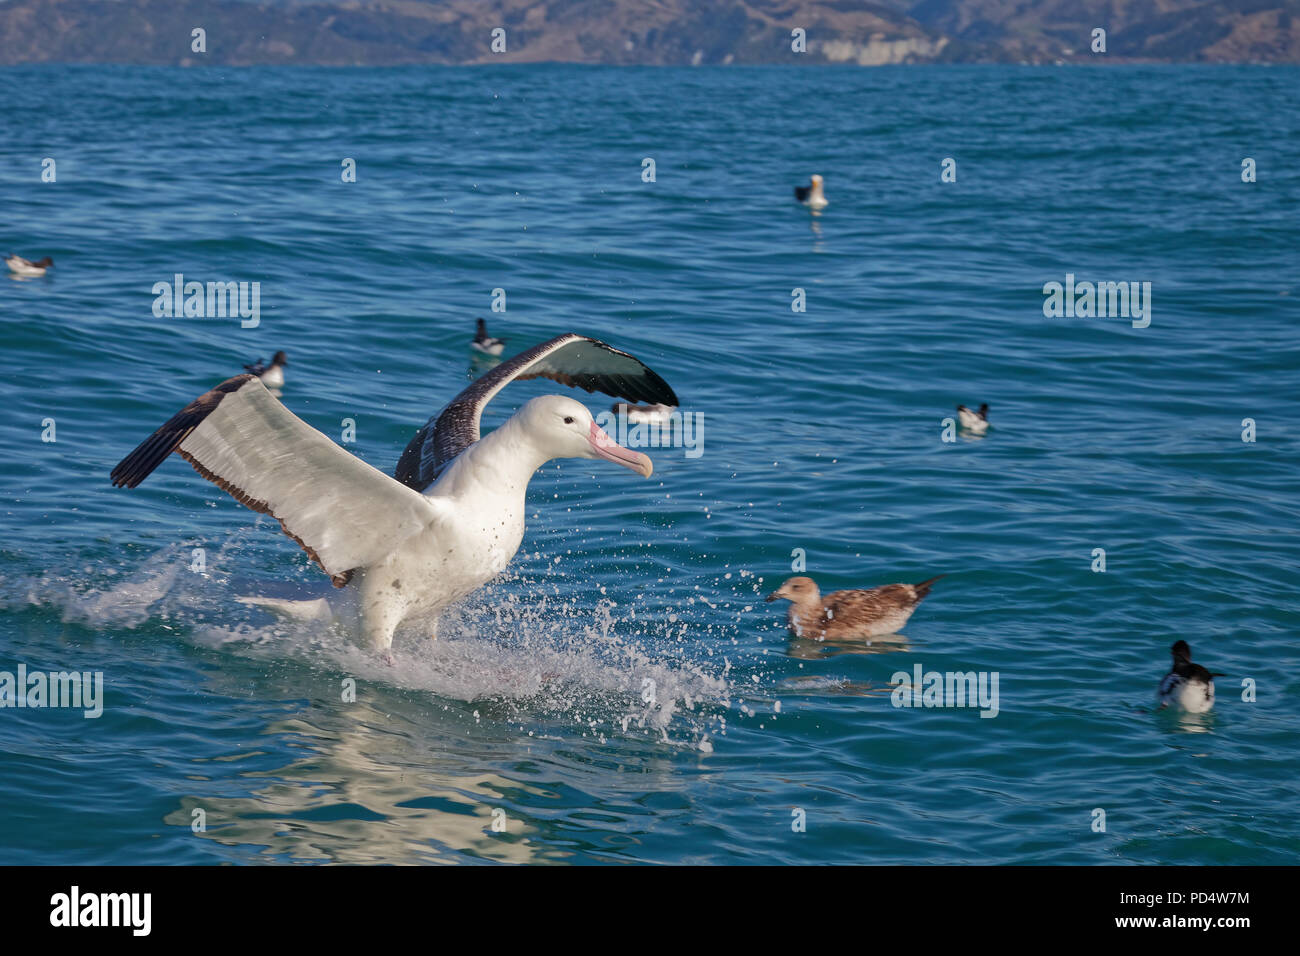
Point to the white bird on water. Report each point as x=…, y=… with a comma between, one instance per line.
x=1187, y=686
x=450, y=519
x=272, y=375
x=26, y=268
x=975, y=422
x=644, y=414
x=812, y=195
x=485, y=343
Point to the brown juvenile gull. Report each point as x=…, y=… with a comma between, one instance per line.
x=847, y=614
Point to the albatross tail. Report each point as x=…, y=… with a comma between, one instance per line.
x=316, y=610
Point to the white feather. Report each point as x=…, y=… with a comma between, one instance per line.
x=347, y=512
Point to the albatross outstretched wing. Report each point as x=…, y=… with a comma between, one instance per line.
x=344, y=513
x=569, y=359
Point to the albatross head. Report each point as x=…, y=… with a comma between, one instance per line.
x=563, y=428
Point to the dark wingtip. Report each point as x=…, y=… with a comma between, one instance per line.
x=147, y=456
x=661, y=392
x=153, y=451
x=801, y=192
x=654, y=390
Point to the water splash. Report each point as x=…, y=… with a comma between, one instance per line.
x=534, y=658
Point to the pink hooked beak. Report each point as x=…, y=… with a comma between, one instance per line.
x=605, y=447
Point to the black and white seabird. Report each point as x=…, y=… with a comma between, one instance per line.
x=976, y=422
x=485, y=343
x=643, y=414
x=811, y=195
x=452, y=516
x=26, y=268
x=272, y=375
x=1188, y=686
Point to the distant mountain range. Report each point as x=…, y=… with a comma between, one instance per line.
x=652, y=32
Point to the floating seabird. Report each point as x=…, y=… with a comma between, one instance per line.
x=26, y=268
x=643, y=414
x=846, y=614
x=272, y=375
x=450, y=519
x=977, y=422
x=1189, y=686
x=811, y=195
x=485, y=343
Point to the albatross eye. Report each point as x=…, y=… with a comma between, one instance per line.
x=568, y=419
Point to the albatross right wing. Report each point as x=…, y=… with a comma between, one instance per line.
x=344, y=513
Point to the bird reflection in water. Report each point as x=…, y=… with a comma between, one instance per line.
x=808, y=649
x=480, y=363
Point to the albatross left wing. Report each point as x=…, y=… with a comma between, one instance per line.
x=569, y=359
x=344, y=513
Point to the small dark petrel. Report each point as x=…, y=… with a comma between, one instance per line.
x=811, y=195
x=1189, y=686
x=25, y=267
x=485, y=343
x=977, y=422
x=272, y=375
x=871, y=613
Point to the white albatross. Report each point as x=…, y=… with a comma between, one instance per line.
x=450, y=519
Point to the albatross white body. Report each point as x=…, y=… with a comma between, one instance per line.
x=478, y=505
x=450, y=520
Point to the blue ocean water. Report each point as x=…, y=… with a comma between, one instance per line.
x=823, y=436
